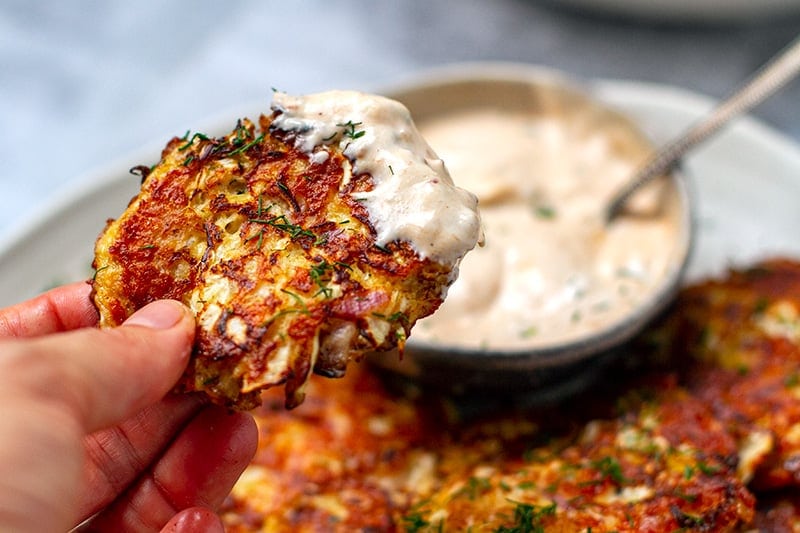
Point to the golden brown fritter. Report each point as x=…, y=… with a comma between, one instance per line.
x=675, y=444
x=273, y=252
x=737, y=343
x=356, y=456
x=345, y=460
x=665, y=466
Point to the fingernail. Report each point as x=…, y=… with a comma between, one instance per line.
x=158, y=315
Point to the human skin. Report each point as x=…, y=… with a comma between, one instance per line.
x=88, y=427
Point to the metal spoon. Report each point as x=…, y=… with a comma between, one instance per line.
x=765, y=82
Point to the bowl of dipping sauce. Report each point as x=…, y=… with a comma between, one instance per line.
x=541, y=306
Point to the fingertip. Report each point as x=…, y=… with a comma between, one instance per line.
x=249, y=435
x=194, y=520
x=110, y=374
x=60, y=309
x=171, y=320
x=208, y=457
x=243, y=440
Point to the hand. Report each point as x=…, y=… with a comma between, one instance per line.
x=87, y=426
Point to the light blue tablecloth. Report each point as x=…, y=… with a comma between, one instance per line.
x=84, y=82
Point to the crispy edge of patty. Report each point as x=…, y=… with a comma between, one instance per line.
x=261, y=191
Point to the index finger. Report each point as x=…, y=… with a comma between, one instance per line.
x=61, y=309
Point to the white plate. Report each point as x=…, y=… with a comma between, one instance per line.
x=746, y=180
x=692, y=10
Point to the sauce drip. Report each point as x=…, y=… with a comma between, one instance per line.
x=414, y=198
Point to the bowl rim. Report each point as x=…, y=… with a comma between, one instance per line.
x=585, y=346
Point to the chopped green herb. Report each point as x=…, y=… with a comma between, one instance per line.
x=303, y=309
x=397, y=316
x=284, y=188
x=707, y=469
x=190, y=142
x=610, y=469
x=260, y=237
x=242, y=133
x=280, y=222
x=761, y=305
x=528, y=518
x=350, y=129
x=96, y=272
x=475, y=487
x=414, y=522
x=686, y=520
x=545, y=212
x=247, y=146
x=321, y=275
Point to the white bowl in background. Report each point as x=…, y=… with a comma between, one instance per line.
x=687, y=11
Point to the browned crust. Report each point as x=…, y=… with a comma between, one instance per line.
x=657, y=448
x=737, y=341
x=272, y=252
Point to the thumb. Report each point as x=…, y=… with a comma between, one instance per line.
x=107, y=375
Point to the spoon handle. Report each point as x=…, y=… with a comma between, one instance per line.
x=765, y=82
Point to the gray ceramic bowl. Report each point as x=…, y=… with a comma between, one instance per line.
x=549, y=371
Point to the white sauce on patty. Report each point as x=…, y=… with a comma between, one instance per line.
x=551, y=270
x=413, y=198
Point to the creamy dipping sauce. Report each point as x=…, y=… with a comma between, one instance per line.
x=414, y=198
x=551, y=271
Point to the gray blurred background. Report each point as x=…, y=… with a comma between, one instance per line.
x=85, y=82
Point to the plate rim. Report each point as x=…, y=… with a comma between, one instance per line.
x=657, y=96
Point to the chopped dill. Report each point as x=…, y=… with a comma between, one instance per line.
x=545, y=212
x=247, y=146
x=191, y=140
x=350, y=129
x=303, y=308
x=321, y=274
x=528, y=518
x=96, y=272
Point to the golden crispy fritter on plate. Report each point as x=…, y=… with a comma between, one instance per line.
x=326, y=233
x=357, y=457
x=737, y=343
x=665, y=466
x=674, y=444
